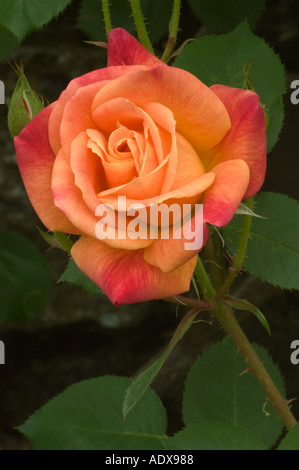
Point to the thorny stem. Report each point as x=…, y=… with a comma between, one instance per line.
x=204, y=281
x=199, y=305
x=218, y=246
x=107, y=18
x=173, y=30
x=239, y=258
x=140, y=25
x=225, y=316
x=214, y=268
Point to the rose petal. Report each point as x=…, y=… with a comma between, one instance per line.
x=68, y=197
x=139, y=188
x=117, y=171
x=124, y=49
x=125, y=277
x=221, y=200
x=88, y=171
x=246, y=139
x=84, y=80
x=135, y=142
x=131, y=116
x=123, y=111
x=224, y=196
x=118, y=145
x=35, y=160
x=166, y=125
x=169, y=254
x=190, y=193
x=77, y=115
x=200, y=115
x=189, y=166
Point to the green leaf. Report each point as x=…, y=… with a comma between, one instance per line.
x=24, y=278
x=139, y=386
x=157, y=16
x=218, y=388
x=88, y=416
x=214, y=436
x=225, y=16
x=74, y=275
x=8, y=42
x=22, y=17
x=221, y=59
x=273, y=246
x=291, y=440
x=243, y=304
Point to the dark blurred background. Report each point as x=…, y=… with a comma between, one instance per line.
x=77, y=336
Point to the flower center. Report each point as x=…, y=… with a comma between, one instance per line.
x=122, y=147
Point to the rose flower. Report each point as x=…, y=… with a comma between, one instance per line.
x=153, y=134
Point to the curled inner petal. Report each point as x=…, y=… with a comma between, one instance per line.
x=116, y=171
x=138, y=152
x=117, y=111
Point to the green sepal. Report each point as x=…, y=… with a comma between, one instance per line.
x=245, y=210
x=243, y=304
x=57, y=240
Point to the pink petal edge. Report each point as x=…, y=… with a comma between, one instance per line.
x=124, y=49
x=125, y=277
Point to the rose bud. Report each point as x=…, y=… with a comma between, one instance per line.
x=24, y=106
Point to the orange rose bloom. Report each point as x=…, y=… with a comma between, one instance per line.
x=154, y=134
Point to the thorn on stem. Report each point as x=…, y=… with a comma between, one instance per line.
x=244, y=371
x=287, y=402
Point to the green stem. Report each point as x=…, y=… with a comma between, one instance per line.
x=173, y=30
x=239, y=258
x=226, y=318
x=214, y=268
x=198, y=304
x=107, y=18
x=218, y=245
x=204, y=281
x=140, y=25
